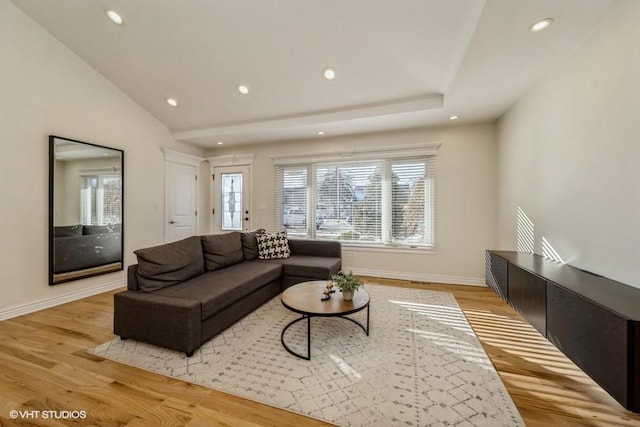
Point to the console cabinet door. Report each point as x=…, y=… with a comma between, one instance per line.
x=592, y=336
x=496, y=274
x=634, y=360
x=528, y=295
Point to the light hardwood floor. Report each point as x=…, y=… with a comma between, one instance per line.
x=44, y=366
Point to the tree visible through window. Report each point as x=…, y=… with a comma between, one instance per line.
x=367, y=218
x=411, y=219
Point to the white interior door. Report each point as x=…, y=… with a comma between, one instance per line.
x=231, y=198
x=181, y=198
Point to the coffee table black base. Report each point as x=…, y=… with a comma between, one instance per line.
x=308, y=317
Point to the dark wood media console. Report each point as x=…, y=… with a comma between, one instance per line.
x=593, y=320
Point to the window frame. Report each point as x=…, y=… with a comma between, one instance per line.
x=99, y=176
x=386, y=157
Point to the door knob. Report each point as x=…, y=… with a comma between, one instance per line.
x=246, y=219
x=172, y=222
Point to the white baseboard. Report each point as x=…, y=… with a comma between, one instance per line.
x=30, y=307
x=21, y=309
x=431, y=278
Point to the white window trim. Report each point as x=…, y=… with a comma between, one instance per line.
x=100, y=172
x=396, y=249
x=379, y=153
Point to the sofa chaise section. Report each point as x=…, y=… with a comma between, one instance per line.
x=309, y=260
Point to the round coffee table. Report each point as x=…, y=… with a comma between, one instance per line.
x=305, y=298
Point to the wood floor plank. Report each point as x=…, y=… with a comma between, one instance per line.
x=44, y=365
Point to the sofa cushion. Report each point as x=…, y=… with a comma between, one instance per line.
x=250, y=244
x=329, y=248
x=273, y=245
x=67, y=231
x=169, y=264
x=219, y=289
x=100, y=229
x=313, y=267
x=80, y=252
x=222, y=250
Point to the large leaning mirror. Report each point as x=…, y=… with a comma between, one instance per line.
x=85, y=209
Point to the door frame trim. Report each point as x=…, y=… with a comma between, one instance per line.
x=230, y=160
x=184, y=158
x=172, y=156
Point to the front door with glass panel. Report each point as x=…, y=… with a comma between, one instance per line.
x=231, y=198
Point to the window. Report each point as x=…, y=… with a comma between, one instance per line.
x=387, y=202
x=349, y=201
x=231, y=201
x=293, y=200
x=100, y=200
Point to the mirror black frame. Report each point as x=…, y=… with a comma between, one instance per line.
x=89, y=272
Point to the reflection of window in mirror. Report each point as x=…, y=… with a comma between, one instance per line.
x=88, y=191
x=100, y=200
x=85, y=211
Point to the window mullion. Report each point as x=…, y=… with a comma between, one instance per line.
x=279, y=196
x=311, y=201
x=100, y=201
x=430, y=202
x=386, y=202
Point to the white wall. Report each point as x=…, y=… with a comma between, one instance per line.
x=569, y=154
x=465, y=195
x=46, y=89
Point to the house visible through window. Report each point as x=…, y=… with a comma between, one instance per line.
x=100, y=200
x=387, y=202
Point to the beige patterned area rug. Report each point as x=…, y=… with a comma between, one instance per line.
x=422, y=364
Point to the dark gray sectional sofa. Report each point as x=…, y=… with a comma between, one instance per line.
x=77, y=247
x=182, y=294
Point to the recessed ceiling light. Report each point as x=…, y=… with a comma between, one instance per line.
x=243, y=89
x=105, y=154
x=172, y=102
x=453, y=118
x=114, y=16
x=220, y=143
x=541, y=25
x=320, y=132
x=329, y=73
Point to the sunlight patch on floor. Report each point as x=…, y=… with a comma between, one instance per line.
x=450, y=316
x=345, y=368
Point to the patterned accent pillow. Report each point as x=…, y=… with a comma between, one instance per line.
x=273, y=245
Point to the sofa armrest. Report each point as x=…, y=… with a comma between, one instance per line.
x=327, y=248
x=132, y=278
x=165, y=321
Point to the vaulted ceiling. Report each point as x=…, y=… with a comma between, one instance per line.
x=399, y=63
